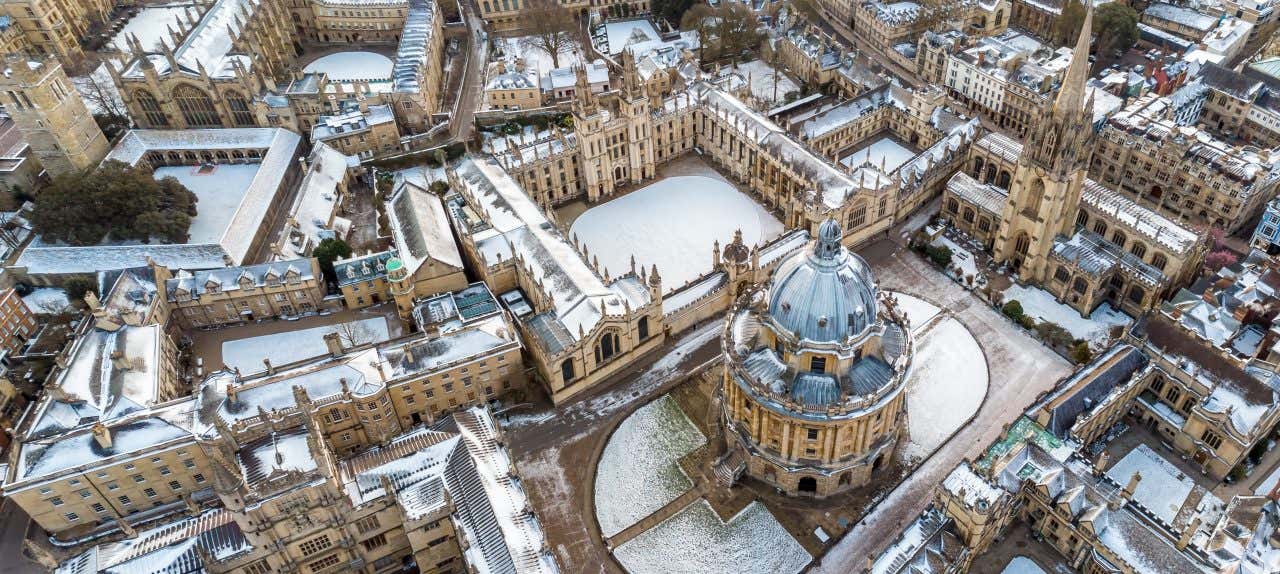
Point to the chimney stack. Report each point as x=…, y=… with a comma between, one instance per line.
x=102, y=435
x=119, y=361
x=334, y=343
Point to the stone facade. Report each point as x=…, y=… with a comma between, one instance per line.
x=40, y=98
x=236, y=295
x=815, y=408
x=56, y=27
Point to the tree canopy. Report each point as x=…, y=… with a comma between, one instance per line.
x=115, y=201
x=1067, y=25
x=724, y=31
x=1117, y=28
x=328, y=251
x=671, y=10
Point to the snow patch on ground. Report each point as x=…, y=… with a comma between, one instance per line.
x=760, y=75
x=537, y=58
x=917, y=310
x=1040, y=304
x=946, y=386
x=695, y=541
x=618, y=35
x=673, y=223
x=638, y=472
x=885, y=149
x=960, y=257
x=47, y=301
x=1163, y=488
x=342, y=66
x=1022, y=565
x=290, y=346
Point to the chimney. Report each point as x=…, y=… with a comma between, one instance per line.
x=119, y=361
x=102, y=435
x=334, y=343
x=1100, y=462
x=1185, y=538
x=270, y=369
x=233, y=394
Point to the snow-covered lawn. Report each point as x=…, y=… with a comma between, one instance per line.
x=536, y=58
x=960, y=257
x=885, y=149
x=947, y=384
x=638, y=471
x=918, y=310
x=1040, y=304
x=341, y=66
x=673, y=223
x=1022, y=565
x=47, y=301
x=1163, y=488
x=760, y=75
x=695, y=541
x=218, y=195
x=150, y=26
x=290, y=346
x=496, y=142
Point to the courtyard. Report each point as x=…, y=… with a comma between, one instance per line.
x=656, y=495
x=219, y=191
x=673, y=222
x=879, y=150
x=352, y=65
x=558, y=450
x=285, y=341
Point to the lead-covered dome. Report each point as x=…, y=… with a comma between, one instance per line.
x=824, y=293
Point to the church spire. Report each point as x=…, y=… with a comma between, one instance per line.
x=1071, y=97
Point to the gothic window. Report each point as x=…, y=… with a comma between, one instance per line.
x=858, y=216
x=969, y=214
x=1080, y=286
x=1034, y=197
x=984, y=224
x=953, y=206
x=1061, y=275
x=977, y=167
x=1082, y=218
x=1023, y=244
x=1173, y=394
x=1159, y=261
x=1157, y=384
x=240, y=114
x=607, y=347
x=151, y=109
x=1119, y=238
x=196, y=107
x=1137, y=294
x=1138, y=249
x=1004, y=179
x=1100, y=227
x=643, y=328
x=566, y=370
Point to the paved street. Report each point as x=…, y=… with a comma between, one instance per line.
x=461, y=125
x=554, y=449
x=1022, y=368
x=13, y=526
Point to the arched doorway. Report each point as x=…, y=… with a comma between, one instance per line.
x=808, y=484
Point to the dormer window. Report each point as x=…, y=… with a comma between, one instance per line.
x=818, y=364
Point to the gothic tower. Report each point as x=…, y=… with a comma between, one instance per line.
x=52, y=116
x=588, y=127
x=1045, y=192
x=401, y=287
x=636, y=107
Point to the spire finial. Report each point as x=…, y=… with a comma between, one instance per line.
x=1071, y=98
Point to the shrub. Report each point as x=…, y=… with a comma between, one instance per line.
x=76, y=287
x=941, y=256
x=1054, y=335
x=1080, y=352
x=439, y=187
x=1012, y=310
x=1027, y=321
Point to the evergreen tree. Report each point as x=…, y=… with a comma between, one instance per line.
x=116, y=201
x=327, y=252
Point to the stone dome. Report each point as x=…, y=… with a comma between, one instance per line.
x=824, y=293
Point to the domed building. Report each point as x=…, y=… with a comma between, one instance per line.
x=815, y=365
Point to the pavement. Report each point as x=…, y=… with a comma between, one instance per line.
x=461, y=125
x=13, y=528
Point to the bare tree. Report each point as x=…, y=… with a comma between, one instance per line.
x=353, y=333
x=551, y=28
x=101, y=97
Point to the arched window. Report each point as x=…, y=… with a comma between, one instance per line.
x=1004, y=179
x=1100, y=227
x=607, y=347
x=196, y=107
x=643, y=328
x=1032, y=205
x=151, y=109
x=1080, y=285
x=1138, y=249
x=1061, y=275
x=984, y=224
x=1159, y=261
x=1023, y=244
x=977, y=168
x=566, y=370
x=953, y=206
x=969, y=214
x=1082, y=218
x=1136, y=294
x=240, y=113
x=1119, y=238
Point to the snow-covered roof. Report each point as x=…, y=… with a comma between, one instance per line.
x=354, y=121
x=415, y=40
x=515, y=227
x=173, y=548
x=421, y=228
x=40, y=260
x=142, y=432
x=1138, y=219
x=314, y=211
x=209, y=46
x=562, y=78
x=621, y=34
x=848, y=112
x=1096, y=256
x=196, y=284
x=1185, y=17
x=984, y=195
